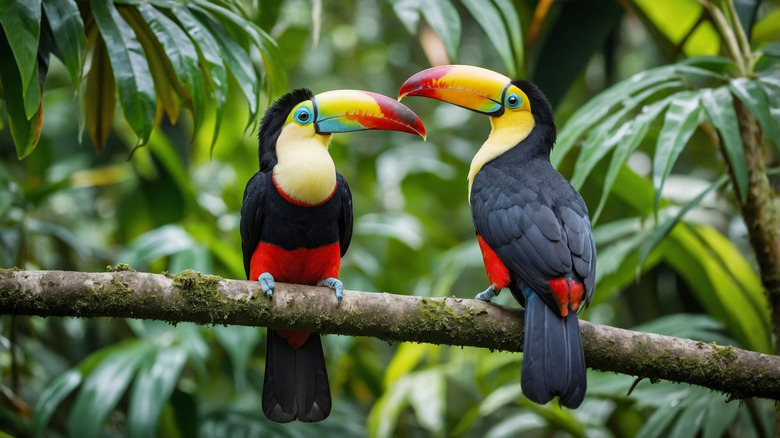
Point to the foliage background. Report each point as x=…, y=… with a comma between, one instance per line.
x=173, y=205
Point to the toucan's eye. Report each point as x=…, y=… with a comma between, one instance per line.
x=513, y=101
x=303, y=116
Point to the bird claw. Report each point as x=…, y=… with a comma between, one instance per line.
x=336, y=285
x=267, y=284
x=488, y=294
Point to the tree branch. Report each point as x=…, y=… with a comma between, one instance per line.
x=207, y=299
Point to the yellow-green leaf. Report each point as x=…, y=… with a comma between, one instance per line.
x=21, y=21
x=134, y=82
x=100, y=100
x=25, y=131
x=166, y=84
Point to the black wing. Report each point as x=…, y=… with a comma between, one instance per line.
x=535, y=242
x=252, y=215
x=345, y=213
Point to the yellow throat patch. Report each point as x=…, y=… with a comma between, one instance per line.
x=305, y=170
x=507, y=131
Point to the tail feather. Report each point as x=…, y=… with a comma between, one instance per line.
x=553, y=359
x=296, y=380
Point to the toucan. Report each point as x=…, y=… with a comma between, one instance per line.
x=532, y=226
x=296, y=224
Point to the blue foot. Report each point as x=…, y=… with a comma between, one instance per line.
x=267, y=284
x=488, y=294
x=336, y=285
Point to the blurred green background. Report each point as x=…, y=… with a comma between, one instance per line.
x=85, y=197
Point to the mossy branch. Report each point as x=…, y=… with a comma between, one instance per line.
x=208, y=299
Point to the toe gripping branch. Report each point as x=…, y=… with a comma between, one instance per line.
x=267, y=283
x=488, y=294
x=336, y=285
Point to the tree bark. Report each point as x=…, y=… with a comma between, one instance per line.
x=761, y=213
x=208, y=299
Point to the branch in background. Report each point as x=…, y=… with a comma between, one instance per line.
x=761, y=211
x=207, y=299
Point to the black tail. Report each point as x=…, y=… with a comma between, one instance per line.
x=553, y=360
x=296, y=381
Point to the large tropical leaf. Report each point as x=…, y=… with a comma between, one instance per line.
x=489, y=17
x=152, y=389
x=681, y=120
x=100, y=100
x=134, y=81
x=21, y=21
x=25, y=131
x=68, y=29
x=153, y=55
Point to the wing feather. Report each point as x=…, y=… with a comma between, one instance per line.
x=537, y=241
x=345, y=213
x=252, y=215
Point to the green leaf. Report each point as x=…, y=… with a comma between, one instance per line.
x=152, y=389
x=515, y=30
x=103, y=387
x=100, y=99
x=680, y=122
x=680, y=22
x=617, y=263
x=183, y=55
x=605, y=103
x=52, y=396
x=21, y=21
x=210, y=53
x=383, y=418
x=237, y=61
x=443, y=18
x=239, y=342
x=637, y=129
x=406, y=358
x=427, y=395
x=68, y=28
x=703, y=259
x=502, y=396
x=768, y=29
x=603, y=138
x=25, y=132
x=154, y=244
x=131, y=71
x=400, y=226
x=720, y=415
x=663, y=229
x=698, y=327
x=743, y=295
x=58, y=389
x=488, y=16
x=573, y=34
x=408, y=11
x=598, y=107
x=690, y=420
x=770, y=78
x=242, y=29
x=197, y=258
x=720, y=107
x=246, y=32
x=655, y=426
x=752, y=95
x=166, y=82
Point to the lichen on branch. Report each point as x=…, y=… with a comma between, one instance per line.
x=208, y=299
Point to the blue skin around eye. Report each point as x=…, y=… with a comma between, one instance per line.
x=519, y=101
x=307, y=117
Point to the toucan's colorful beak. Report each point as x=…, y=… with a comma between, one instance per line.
x=354, y=110
x=474, y=88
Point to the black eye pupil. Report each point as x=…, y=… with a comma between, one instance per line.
x=513, y=100
x=303, y=116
